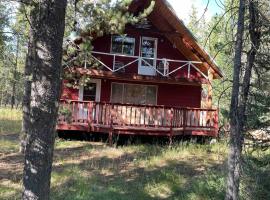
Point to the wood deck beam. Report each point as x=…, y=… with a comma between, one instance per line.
x=141, y=78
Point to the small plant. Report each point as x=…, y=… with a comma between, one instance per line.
x=66, y=113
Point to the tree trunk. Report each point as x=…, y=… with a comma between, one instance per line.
x=43, y=68
x=235, y=148
x=251, y=56
x=15, y=75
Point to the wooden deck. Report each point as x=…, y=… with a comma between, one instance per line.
x=130, y=119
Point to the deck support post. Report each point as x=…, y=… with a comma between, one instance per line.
x=111, y=127
x=111, y=133
x=110, y=137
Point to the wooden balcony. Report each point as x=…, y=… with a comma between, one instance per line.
x=115, y=65
x=114, y=118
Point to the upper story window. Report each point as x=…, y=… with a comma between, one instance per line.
x=123, y=45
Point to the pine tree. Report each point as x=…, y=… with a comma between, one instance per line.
x=42, y=90
x=236, y=139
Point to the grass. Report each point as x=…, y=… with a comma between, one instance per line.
x=92, y=170
x=10, y=120
x=139, y=172
x=10, y=126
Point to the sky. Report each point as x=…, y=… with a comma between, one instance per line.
x=183, y=8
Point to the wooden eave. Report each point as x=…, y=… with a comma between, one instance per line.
x=164, y=18
x=93, y=73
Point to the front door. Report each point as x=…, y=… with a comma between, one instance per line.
x=148, y=54
x=89, y=92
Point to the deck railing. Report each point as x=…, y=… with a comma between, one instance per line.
x=127, y=115
x=163, y=66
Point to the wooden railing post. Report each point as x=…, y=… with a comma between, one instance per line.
x=144, y=115
x=114, y=63
x=171, y=127
x=74, y=110
x=111, y=126
x=184, y=120
x=90, y=115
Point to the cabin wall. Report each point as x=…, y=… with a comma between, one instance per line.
x=165, y=49
x=69, y=93
x=167, y=94
x=179, y=95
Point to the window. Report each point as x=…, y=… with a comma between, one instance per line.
x=123, y=45
x=89, y=92
x=134, y=94
x=117, y=93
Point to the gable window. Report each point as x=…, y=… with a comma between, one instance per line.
x=134, y=94
x=123, y=45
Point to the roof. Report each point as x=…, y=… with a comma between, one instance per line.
x=165, y=19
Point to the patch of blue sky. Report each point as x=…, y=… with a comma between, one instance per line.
x=183, y=8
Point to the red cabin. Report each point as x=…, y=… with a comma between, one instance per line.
x=149, y=81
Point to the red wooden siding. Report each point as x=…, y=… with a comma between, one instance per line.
x=168, y=94
x=69, y=93
x=105, y=94
x=179, y=95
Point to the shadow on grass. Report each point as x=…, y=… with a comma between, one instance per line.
x=256, y=176
x=125, y=177
x=140, y=170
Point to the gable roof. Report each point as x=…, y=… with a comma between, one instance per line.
x=165, y=19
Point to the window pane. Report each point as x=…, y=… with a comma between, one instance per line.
x=117, y=93
x=123, y=45
x=89, y=92
x=134, y=94
x=128, y=46
x=148, y=48
x=151, y=95
x=117, y=42
x=148, y=51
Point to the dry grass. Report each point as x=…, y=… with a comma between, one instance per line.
x=92, y=170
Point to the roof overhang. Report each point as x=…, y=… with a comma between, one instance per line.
x=165, y=19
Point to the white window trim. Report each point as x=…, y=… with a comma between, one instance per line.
x=133, y=52
x=156, y=86
x=98, y=89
